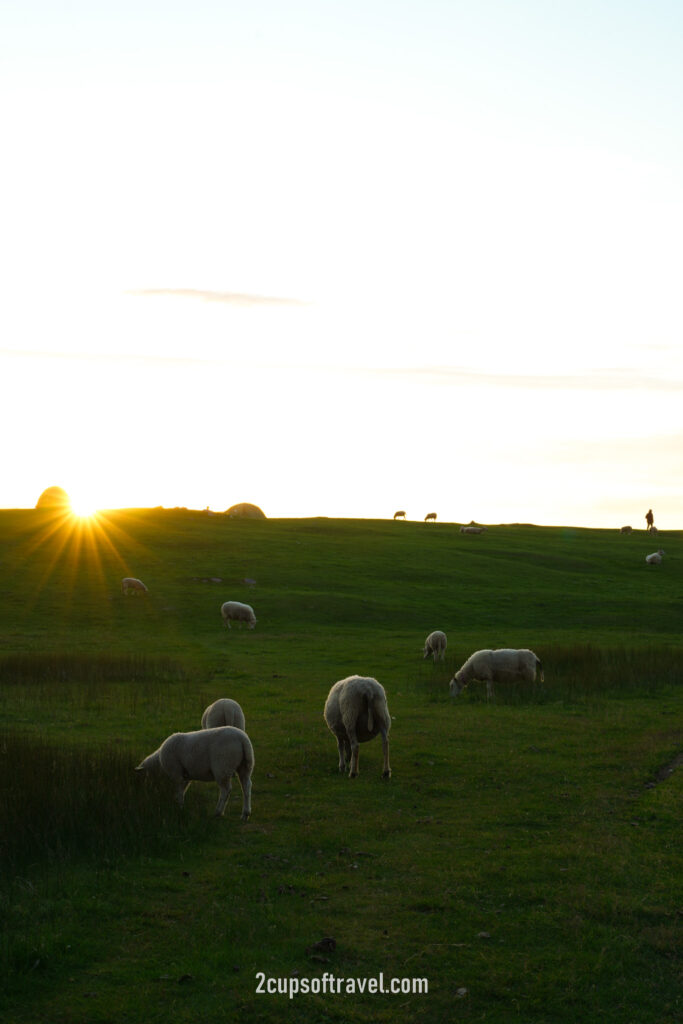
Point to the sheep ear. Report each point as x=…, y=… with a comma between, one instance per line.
x=140, y=768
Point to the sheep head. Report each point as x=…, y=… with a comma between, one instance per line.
x=456, y=685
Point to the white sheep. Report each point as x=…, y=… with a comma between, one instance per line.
x=235, y=611
x=626, y=529
x=223, y=712
x=129, y=585
x=209, y=755
x=435, y=644
x=355, y=711
x=655, y=558
x=430, y=516
x=501, y=666
x=400, y=514
x=471, y=529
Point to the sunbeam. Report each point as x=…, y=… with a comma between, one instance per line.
x=75, y=551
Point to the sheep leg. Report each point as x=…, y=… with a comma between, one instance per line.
x=386, y=769
x=489, y=689
x=181, y=790
x=353, y=746
x=245, y=783
x=342, y=753
x=224, y=795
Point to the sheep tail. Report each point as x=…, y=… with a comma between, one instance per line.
x=371, y=721
x=540, y=669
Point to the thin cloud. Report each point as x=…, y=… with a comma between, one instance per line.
x=639, y=453
x=229, y=298
x=596, y=380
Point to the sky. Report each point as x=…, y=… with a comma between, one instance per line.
x=341, y=259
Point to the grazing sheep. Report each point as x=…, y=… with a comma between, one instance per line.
x=501, y=666
x=223, y=712
x=430, y=516
x=435, y=644
x=355, y=711
x=235, y=611
x=129, y=585
x=399, y=515
x=655, y=558
x=209, y=755
x=471, y=529
x=626, y=529
x=653, y=529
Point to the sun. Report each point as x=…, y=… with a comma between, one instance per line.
x=82, y=508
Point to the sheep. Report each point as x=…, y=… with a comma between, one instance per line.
x=626, y=529
x=653, y=529
x=209, y=755
x=238, y=612
x=655, y=558
x=129, y=585
x=399, y=515
x=504, y=665
x=435, y=644
x=471, y=529
x=223, y=712
x=430, y=516
x=355, y=711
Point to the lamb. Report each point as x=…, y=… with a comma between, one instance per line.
x=129, y=585
x=238, y=612
x=430, y=515
x=655, y=558
x=355, y=711
x=399, y=515
x=501, y=666
x=209, y=755
x=435, y=644
x=626, y=529
x=223, y=712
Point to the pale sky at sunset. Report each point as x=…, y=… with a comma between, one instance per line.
x=344, y=258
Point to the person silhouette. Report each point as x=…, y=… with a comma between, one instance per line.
x=649, y=519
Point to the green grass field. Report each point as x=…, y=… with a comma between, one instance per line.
x=524, y=861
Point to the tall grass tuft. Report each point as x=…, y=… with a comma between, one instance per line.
x=580, y=670
x=60, y=805
x=81, y=667
x=573, y=673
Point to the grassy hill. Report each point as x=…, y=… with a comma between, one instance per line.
x=524, y=858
